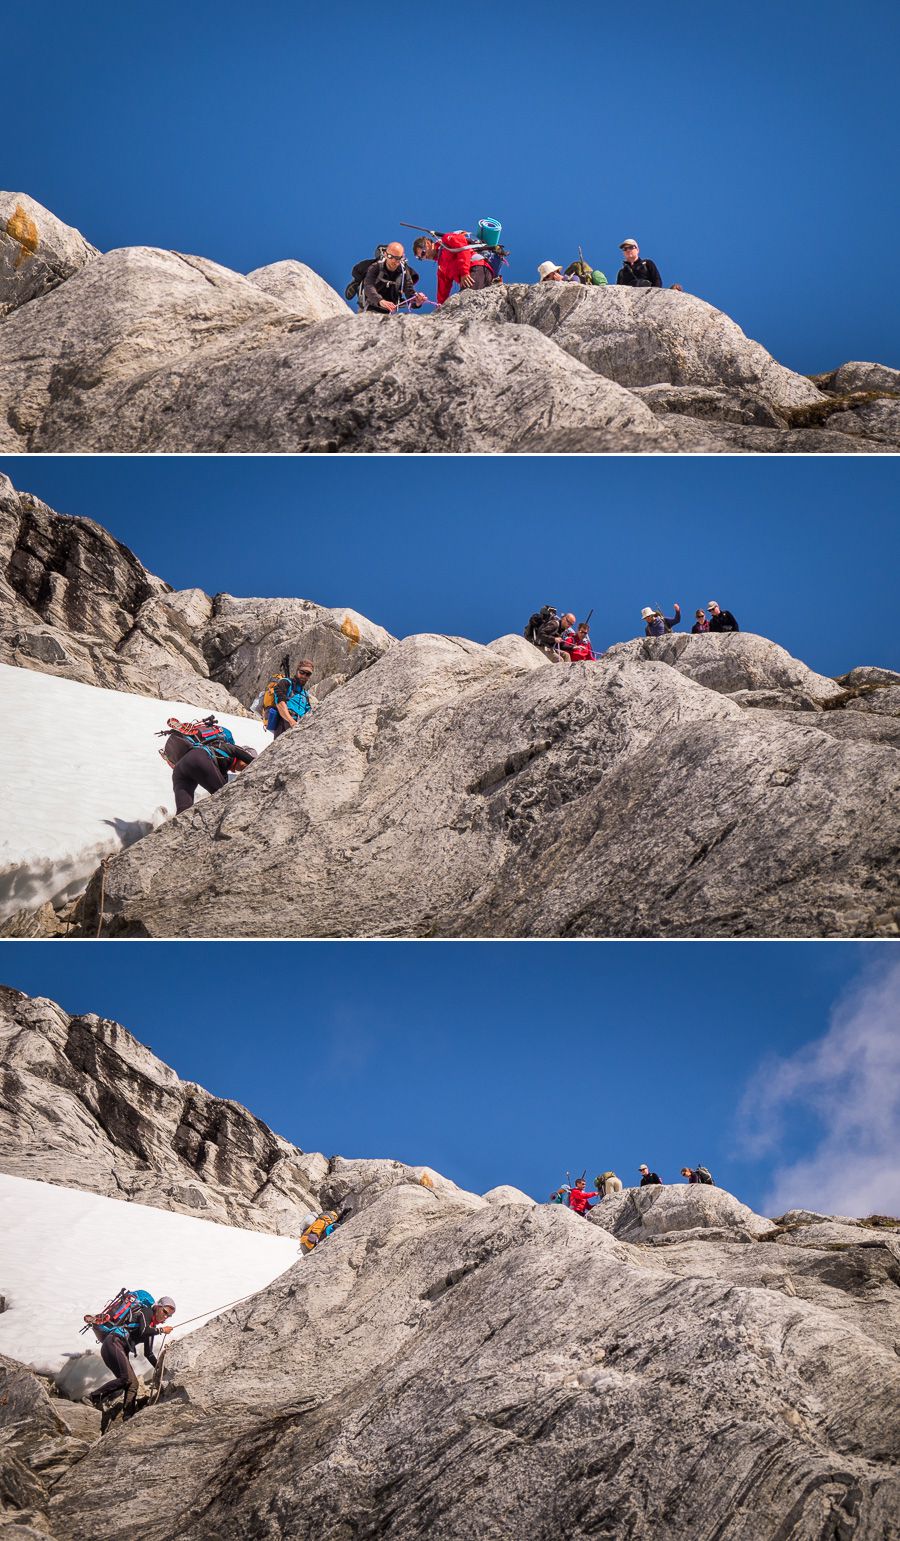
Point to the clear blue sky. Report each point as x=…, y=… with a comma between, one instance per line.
x=801, y=549
x=751, y=150
x=493, y=1062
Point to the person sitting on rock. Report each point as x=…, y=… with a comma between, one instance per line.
x=648, y=1178
x=579, y=1200
x=701, y=624
x=552, y=273
x=291, y=699
x=203, y=764
x=608, y=1184
x=118, y=1343
x=456, y=262
x=721, y=620
x=389, y=282
x=658, y=624
x=576, y=644
x=638, y=272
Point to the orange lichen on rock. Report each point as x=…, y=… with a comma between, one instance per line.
x=25, y=231
x=350, y=630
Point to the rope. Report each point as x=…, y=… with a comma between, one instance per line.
x=103, y=866
x=214, y=1310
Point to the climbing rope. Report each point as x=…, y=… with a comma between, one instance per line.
x=103, y=866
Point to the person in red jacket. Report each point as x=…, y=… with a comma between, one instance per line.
x=577, y=644
x=579, y=1200
x=455, y=263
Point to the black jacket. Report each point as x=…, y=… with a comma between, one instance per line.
x=642, y=274
x=381, y=284
x=724, y=621
x=650, y=1178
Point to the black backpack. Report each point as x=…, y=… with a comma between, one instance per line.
x=704, y=1175
x=539, y=619
x=359, y=271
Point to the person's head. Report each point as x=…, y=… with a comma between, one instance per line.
x=686, y=1171
x=425, y=249
x=712, y=607
x=393, y=256
x=699, y=615
x=582, y=628
x=303, y=671
x=164, y=1308
x=647, y=614
x=550, y=272
x=579, y=1182
x=630, y=250
x=644, y=1169
x=568, y=619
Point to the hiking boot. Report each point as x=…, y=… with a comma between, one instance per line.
x=96, y=1399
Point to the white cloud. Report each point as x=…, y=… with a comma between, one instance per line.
x=848, y=1081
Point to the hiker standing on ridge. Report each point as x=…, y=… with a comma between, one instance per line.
x=291, y=699
x=657, y=623
x=388, y=282
x=579, y=1200
x=648, y=1178
x=721, y=620
x=639, y=272
x=119, y=1341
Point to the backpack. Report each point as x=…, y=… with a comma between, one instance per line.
x=581, y=270
x=539, y=619
x=704, y=1175
x=318, y=1230
x=122, y=1312
x=268, y=698
x=358, y=273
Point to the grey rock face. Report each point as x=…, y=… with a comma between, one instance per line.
x=864, y=377
x=303, y=291
x=644, y=337
x=37, y=251
x=581, y=1385
x=36, y=1447
x=423, y=797
x=77, y=603
x=148, y=350
x=84, y=1105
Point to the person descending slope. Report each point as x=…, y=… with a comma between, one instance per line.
x=577, y=644
x=657, y=623
x=319, y=1230
x=130, y=1321
x=290, y=699
x=579, y=1200
x=201, y=754
x=470, y=259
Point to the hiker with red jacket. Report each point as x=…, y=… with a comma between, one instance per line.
x=577, y=644
x=579, y=1200
x=122, y=1336
x=456, y=262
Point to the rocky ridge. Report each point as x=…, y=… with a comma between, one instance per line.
x=674, y=1368
x=141, y=349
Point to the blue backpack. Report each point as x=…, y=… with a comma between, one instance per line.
x=121, y=1314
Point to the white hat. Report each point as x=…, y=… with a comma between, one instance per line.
x=630, y=241
x=646, y=613
x=711, y=603
x=546, y=268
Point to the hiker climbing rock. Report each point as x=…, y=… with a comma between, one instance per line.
x=130, y=1321
x=608, y=1184
x=648, y=1178
x=576, y=644
x=579, y=1200
x=658, y=624
x=721, y=620
x=290, y=699
x=201, y=754
x=698, y=1174
x=319, y=1229
x=389, y=282
x=471, y=260
x=546, y=631
x=701, y=624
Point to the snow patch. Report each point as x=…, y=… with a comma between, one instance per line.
x=64, y=1252
x=83, y=778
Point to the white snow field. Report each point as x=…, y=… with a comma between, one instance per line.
x=83, y=777
x=64, y=1252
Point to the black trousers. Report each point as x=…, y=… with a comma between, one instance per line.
x=115, y=1356
x=195, y=769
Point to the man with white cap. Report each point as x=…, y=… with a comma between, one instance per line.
x=658, y=624
x=636, y=271
x=552, y=273
x=721, y=620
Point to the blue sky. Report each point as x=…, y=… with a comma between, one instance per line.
x=751, y=150
x=801, y=549
x=507, y=1062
